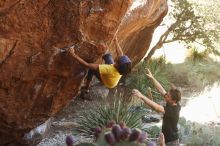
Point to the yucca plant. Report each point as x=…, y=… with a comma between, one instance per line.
x=139, y=80
x=104, y=114
x=196, y=56
x=158, y=69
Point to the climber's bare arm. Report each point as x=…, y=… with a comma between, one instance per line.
x=93, y=66
x=118, y=48
x=157, y=107
x=158, y=86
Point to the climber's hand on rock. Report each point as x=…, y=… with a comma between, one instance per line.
x=72, y=51
x=115, y=39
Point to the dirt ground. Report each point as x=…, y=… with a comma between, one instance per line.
x=63, y=123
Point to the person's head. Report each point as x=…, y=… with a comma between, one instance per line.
x=173, y=96
x=124, y=65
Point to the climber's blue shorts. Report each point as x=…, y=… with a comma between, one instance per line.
x=108, y=59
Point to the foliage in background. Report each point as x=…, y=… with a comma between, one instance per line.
x=210, y=11
x=195, y=76
x=195, y=134
x=195, y=56
x=184, y=25
x=140, y=81
x=153, y=131
x=197, y=72
x=105, y=113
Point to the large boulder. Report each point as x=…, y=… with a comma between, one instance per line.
x=38, y=77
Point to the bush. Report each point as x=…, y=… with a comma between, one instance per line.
x=195, y=76
x=194, y=134
x=196, y=56
x=105, y=113
x=139, y=80
x=153, y=131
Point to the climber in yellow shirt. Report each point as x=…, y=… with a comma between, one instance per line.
x=110, y=72
x=109, y=75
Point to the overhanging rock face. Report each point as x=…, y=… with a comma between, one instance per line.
x=37, y=77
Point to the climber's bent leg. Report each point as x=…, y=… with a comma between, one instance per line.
x=89, y=77
x=85, y=89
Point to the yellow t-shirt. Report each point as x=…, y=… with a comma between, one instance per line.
x=109, y=75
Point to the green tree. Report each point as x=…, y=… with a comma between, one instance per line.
x=210, y=11
x=187, y=27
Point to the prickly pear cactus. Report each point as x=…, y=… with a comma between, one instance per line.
x=121, y=136
x=117, y=135
x=87, y=144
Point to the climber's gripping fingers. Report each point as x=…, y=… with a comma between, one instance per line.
x=72, y=51
x=59, y=49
